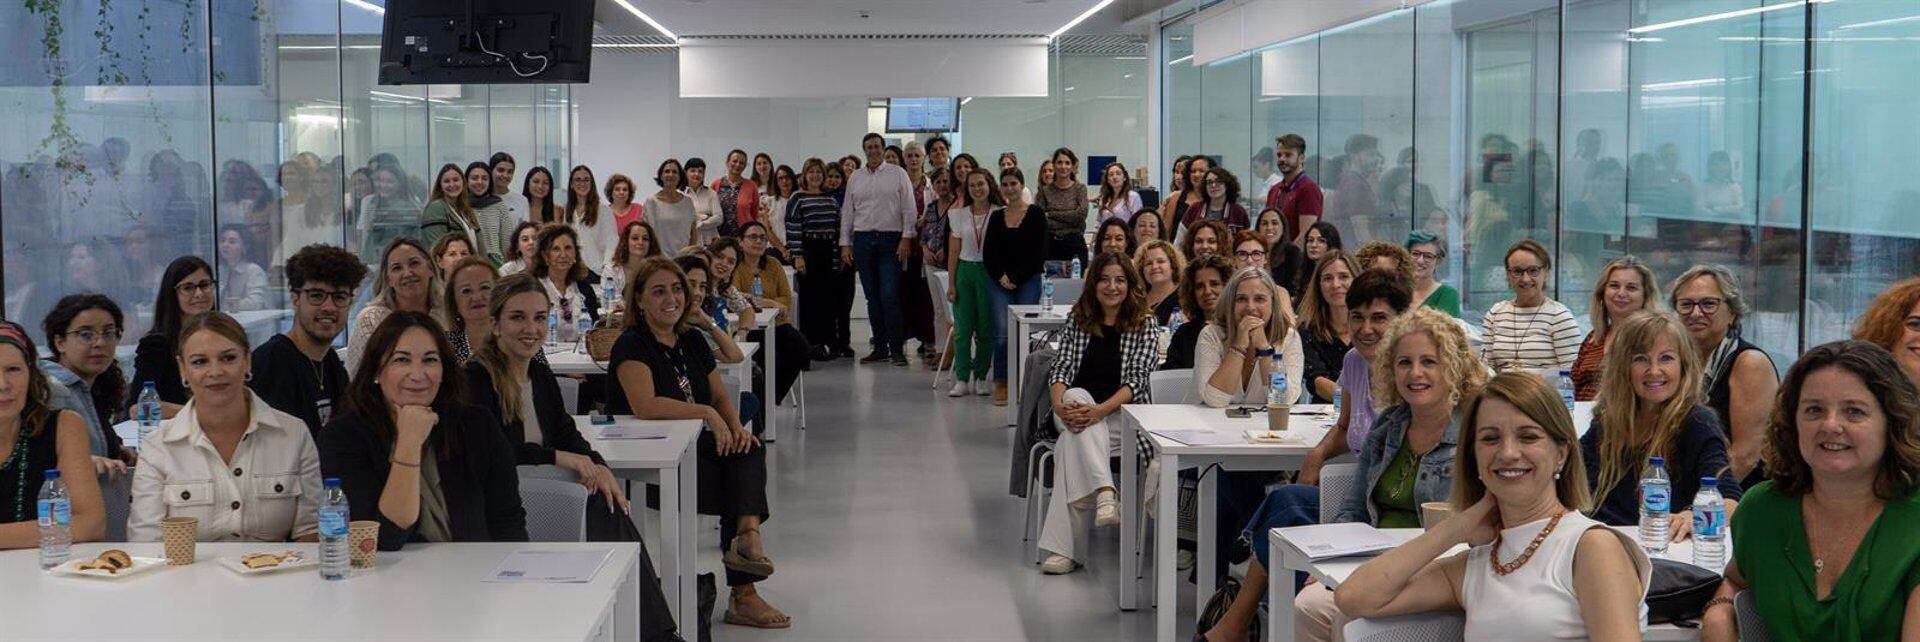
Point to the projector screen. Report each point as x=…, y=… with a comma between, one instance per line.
x=922, y=115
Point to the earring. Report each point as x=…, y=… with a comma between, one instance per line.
x=249, y=376
x=1556, y=475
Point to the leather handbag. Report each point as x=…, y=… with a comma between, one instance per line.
x=1678, y=591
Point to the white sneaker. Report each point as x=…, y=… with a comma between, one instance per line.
x=1183, y=560
x=982, y=388
x=1106, y=510
x=1057, y=565
x=960, y=389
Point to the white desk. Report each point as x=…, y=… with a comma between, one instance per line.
x=1332, y=572
x=674, y=463
x=566, y=361
x=428, y=591
x=1311, y=422
x=1019, y=325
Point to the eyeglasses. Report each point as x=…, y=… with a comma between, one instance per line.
x=1528, y=272
x=1425, y=256
x=755, y=237
x=196, y=287
x=317, y=296
x=1707, y=305
x=1214, y=183
x=1250, y=254
x=88, y=335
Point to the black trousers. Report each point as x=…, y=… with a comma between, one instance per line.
x=793, y=357
x=730, y=487
x=1067, y=247
x=603, y=525
x=826, y=290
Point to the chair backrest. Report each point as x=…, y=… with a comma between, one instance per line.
x=1066, y=291
x=937, y=287
x=555, y=502
x=1423, y=627
x=1752, y=627
x=1171, y=386
x=117, y=495
x=1336, y=481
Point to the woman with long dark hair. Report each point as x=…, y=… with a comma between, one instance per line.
x=492, y=218
x=186, y=289
x=593, y=225
x=670, y=210
x=82, y=330
x=538, y=188
x=40, y=441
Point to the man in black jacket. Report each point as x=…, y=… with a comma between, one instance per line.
x=298, y=372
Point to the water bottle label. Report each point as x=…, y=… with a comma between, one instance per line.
x=1655, y=499
x=54, y=512
x=1709, y=523
x=333, y=524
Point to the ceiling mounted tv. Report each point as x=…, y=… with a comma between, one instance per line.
x=923, y=115
x=486, y=41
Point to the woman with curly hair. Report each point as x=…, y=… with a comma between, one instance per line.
x=1892, y=322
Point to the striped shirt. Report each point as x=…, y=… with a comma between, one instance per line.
x=812, y=217
x=1538, y=338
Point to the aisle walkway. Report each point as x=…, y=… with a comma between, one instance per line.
x=891, y=521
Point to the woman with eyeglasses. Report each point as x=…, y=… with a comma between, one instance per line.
x=469, y=288
x=1740, y=378
x=186, y=289
x=1529, y=331
x=1250, y=251
x=1626, y=286
x=82, y=331
x=1222, y=202
x=1428, y=249
x=1892, y=322
x=39, y=440
x=763, y=280
x=405, y=283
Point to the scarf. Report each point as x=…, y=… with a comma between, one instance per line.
x=478, y=202
x=1721, y=361
x=432, y=521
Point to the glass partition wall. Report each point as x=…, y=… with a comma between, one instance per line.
x=233, y=131
x=1683, y=132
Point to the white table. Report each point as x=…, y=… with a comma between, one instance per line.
x=566, y=361
x=673, y=462
x=1311, y=422
x=1019, y=326
x=427, y=591
x=1332, y=572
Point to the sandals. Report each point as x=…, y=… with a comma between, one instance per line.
x=735, y=560
x=776, y=621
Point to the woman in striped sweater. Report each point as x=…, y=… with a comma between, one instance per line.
x=1530, y=331
x=813, y=239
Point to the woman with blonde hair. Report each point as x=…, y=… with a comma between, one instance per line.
x=1536, y=568
x=1652, y=405
x=1160, y=265
x=1251, y=332
x=469, y=290
x=447, y=209
x=1892, y=322
x=1626, y=286
x=405, y=281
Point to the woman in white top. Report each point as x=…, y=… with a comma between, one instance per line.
x=967, y=283
x=670, y=210
x=706, y=202
x=247, y=472
x=1117, y=198
x=593, y=224
x=773, y=204
x=243, y=283
x=1529, y=331
x=521, y=252
x=556, y=262
x=1538, y=569
x=1235, y=353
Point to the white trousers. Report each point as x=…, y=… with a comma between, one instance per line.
x=1080, y=469
x=1315, y=618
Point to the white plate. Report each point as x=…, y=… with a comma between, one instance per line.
x=1275, y=437
x=140, y=565
x=234, y=564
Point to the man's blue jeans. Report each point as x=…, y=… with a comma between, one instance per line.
x=874, y=256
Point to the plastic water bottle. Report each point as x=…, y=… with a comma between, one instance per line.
x=56, y=520
x=147, y=411
x=1709, y=526
x=1656, y=500
x=334, y=557
x=1175, y=319
x=582, y=324
x=1565, y=383
x=1278, y=394
x=606, y=295
x=1073, y=269
x=553, y=330
x=1336, y=398
x=757, y=290
x=1046, y=294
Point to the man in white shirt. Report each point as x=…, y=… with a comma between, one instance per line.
x=503, y=167
x=877, y=235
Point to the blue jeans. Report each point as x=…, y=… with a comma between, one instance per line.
x=874, y=256
x=1288, y=505
x=1027, y=293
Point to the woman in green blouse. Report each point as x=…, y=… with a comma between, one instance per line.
x=1843, y=452
x=1428, y=250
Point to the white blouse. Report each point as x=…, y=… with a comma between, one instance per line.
x=1536, y=601
x=268, y=492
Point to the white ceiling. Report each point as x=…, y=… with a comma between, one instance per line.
x=890, y=17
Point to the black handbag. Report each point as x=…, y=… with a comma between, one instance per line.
x=1678, y=591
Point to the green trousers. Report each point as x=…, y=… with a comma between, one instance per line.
x=972, y=323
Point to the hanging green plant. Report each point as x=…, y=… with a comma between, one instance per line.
x=60, y=139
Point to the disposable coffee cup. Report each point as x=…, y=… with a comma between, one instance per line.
x=178, y=535
x=1278, y=416
x=1432, y=513
x=363, y=542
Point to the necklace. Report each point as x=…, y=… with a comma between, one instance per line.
x=1520, y=340
x=18, y=461
x=1503, y=569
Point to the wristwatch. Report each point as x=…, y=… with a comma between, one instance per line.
x=1263, y=352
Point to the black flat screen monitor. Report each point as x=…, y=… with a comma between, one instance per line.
x=486, y=41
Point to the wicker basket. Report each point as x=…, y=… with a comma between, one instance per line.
x=601, y=338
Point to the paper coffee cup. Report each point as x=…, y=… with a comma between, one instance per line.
x=178, y=535
x=1432, y=513
x=363, y=541
x=1278, y=416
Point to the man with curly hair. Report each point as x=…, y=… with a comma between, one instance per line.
x=298, y=372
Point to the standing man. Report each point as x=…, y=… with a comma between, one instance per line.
x=503, y=167
x=299, y=373
x=878, y=220
x=1296, y=195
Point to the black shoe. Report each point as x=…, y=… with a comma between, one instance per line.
x=823, y=355
x=876, y=356
x=900, y=360
x=845, y=351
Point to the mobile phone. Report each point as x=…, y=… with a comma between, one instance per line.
x=1239, y=413
x=1029, y=315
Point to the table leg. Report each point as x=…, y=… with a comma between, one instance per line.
x=689, y=521
x=1280, y=593
x=1164, y=536
x=1203, y=528
x=1014, y=351
x=626, y=610
x=769, y=407
x=1130, y=513
x=672, y=558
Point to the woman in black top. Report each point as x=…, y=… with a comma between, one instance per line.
x=1015, y=252
x=663, y=369
x=186, y=289
x=1200, y=288
x=411, y=454
x=1323, y=323
x=1739, y=377
x=36, y=439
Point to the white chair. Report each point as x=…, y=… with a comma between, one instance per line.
x=937, y=287
x=569, y=392
x=1423, y=627
x=1336, y=481
x=1752, y=627
x=117, y=496
x=555, y=502
x=1038, y=493
x=1066, y=290
x=1171, y=386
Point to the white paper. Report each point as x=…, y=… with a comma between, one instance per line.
x=1201, y=437
x=633, y=432
x=551, y=566
x=1321, y=541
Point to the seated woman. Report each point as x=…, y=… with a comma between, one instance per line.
x=1740, y=379
x=448, y=251
x=636, y=244
x=556, y=261
x=186, y=289
x=1323, y=319
x=1114, y=236
x=1250, y=251
x=708, y=307
x=1106, y=360
x=404, y=282
x=184, y=466
x=1160, y=266
x=763, y=280
x=1428, y=250
x=1373, y=302
x=1205, y=237
x=411, y=455
x=1148, y=227
x=526, y=237
x=1250, y=334
x=1626, y=286
x=663, y=369
x=1200, y=286
x=1892, y=322
x=1537, y=568
x=1421, y=377
x=40, y=440
x=1651, y=404
x=245, y=283
x=1285, y=261
x=1843, y=452
x=469, y=288
x=1529, y=331
x=84, y=376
